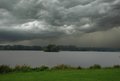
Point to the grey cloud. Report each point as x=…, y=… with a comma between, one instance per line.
x=15, y=35
x=8, y=4
x=61, y=17
x=73, y=3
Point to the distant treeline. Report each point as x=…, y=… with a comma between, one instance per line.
x=19, y=47
x=55, y=48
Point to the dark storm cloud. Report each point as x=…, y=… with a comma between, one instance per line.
x=31, y=19
x=7, y=4
x=11, y=35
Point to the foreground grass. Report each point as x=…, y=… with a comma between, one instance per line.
x=64, y=75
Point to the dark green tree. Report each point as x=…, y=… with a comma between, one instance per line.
x=51, y=48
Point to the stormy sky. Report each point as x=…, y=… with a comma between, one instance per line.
x=85, y=23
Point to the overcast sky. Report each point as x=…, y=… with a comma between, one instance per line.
x=86, y=23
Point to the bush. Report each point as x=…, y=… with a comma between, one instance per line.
x=5, y=69
x=79, y=67
x=116, y=66
x=62, y=67
x=96, y=66
x=42, y=68
x=23, y=68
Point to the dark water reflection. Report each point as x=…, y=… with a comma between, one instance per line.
x=38, y=58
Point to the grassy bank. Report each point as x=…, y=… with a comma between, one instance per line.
x=64, y=75
x=4, y=69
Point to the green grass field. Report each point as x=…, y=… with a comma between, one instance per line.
x=64, y=75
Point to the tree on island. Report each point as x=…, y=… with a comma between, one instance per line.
x=51, y=48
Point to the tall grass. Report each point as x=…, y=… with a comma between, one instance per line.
x=5, y=69
x=23, y=68
x=26, y=68
x=62, y=67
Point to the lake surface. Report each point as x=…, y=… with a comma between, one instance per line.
x=74, y=58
